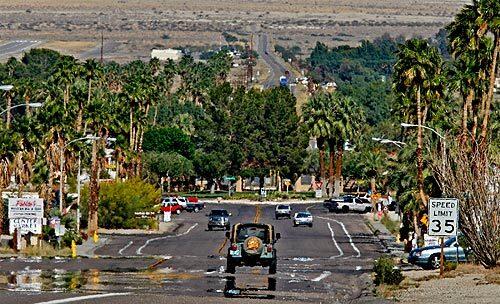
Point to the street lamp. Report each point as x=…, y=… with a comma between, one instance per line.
x=407, y=125
x=6, y=87
x=31, y=105
x=88, y=137
x=399, y=144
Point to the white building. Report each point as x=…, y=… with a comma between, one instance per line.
x=166, y=54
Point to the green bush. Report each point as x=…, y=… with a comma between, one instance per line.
x=386, y=273
x=118, y=202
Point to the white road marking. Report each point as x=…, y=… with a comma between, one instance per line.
x=341, y=253
x=325, y=274
x=139, y=251
x=76, y=299
x=346, y=233
x=126, y=246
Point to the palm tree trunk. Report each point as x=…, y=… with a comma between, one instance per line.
x=420, y=160
x=489, y=97
x=338, y=171
x=322, y=168
x=330, y=167
x=27, y=100
x=465, y=116
x=9, y=105
x=94, y=192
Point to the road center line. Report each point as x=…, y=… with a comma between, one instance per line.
x=346, y=232
x=341, y=253
x=125, y=247
x=325, y=274
x=139, y=251
x=81, y=298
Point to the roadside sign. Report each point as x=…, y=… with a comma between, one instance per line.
x=318, y=193
x=443, y=216
x=25, y=208
x=25, y=225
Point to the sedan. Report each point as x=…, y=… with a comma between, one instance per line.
x=429, y=256
x=303, y=218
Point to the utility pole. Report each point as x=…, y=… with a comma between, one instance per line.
x=102, y=45
x=249, y=63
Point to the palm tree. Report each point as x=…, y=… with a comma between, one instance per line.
x=416, y=76
x=93, y=71
x=473, y=48
x=8, y=150
x=315, y=116
x=345, y=118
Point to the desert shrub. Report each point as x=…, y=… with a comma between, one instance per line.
x=449, y=266
x=118, y=202
x=386, y=273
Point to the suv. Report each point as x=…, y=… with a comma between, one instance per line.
x=252, y=244
x=283, y=211
x=219, y=218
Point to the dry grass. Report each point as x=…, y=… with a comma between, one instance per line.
x=71, y=47
x=139, y=25
x=45, y=250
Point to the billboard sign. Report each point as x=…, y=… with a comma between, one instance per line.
x=26, y=225
x=25, y=208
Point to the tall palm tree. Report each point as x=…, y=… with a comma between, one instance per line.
x=315, y=116
x=471, y=45
x=416, y=75
x=345, y=118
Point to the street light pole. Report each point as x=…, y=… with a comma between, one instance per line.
x=61, y=177
x=399, y=144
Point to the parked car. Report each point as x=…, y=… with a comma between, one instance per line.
x=283, y=211
x=252, y=244
x=193, y=204
x=168, y=204
x=219, y=218
x=351, y=203
x=303, y=218
x=429, y=256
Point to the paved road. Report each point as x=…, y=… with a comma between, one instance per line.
x=276, y=65
x=329, y=262
x=15, y=47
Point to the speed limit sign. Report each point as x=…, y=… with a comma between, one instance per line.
x=443, y=216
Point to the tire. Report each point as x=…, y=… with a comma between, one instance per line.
x=271, y=284
x=273, y=266
x=196, y=209
x=310, y=225
x=434, y=262
x=228, y=227
x=368, y=209
x=345, y=209
x=277, y=217
x=230, y=268
x=209, y=228
x=294, y=225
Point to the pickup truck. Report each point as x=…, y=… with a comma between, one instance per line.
x=348, y=203
x=192, y=204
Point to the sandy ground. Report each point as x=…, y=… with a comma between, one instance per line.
x=137, y=26
x=469, y=285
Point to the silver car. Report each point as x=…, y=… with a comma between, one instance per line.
x=429, y=256
x=303, y=218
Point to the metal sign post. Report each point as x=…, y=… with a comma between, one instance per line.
x=443, y=221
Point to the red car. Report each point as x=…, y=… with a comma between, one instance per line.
x=168, y=204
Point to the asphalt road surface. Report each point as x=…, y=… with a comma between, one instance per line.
x=330, y=262
x=15, y=47
x=275, y=64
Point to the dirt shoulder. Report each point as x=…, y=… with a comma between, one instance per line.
x=466, y=284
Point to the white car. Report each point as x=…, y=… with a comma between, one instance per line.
x=303, y=218
x=350, y=203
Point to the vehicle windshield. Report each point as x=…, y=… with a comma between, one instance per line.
x=303, y=214
x=218, y=213
x=244, y=232
x=449, y=242
x=283, y=207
